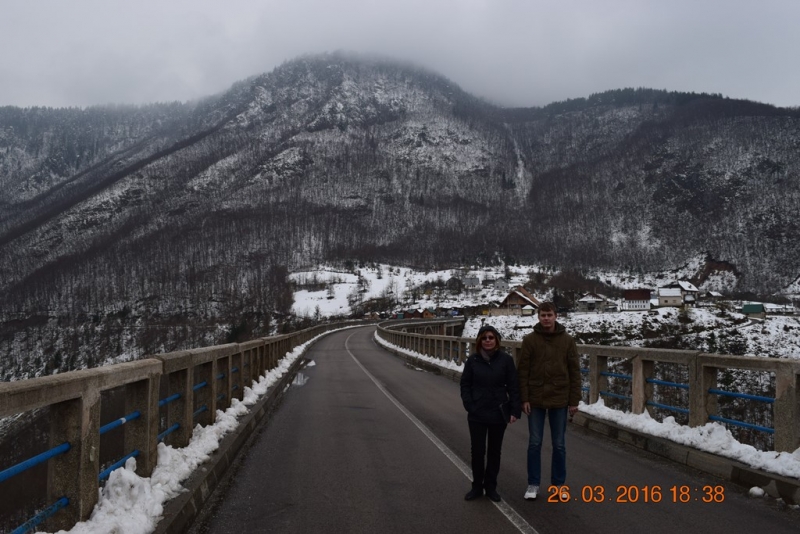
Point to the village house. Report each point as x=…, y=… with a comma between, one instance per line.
x=754, y=311
x=594, y=302
x=779, y=309
x=515, y=301
x=501, y=284
x=709, y=298
x=472, y=283
x=636, y=300
x=689, y=293
x=670, y=296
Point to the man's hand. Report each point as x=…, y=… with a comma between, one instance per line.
x=512, y=420
x=526, y=408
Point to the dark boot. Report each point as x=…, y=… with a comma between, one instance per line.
x=492, y=494
x=474, y=493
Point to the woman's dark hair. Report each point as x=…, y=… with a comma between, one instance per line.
x=487, y=329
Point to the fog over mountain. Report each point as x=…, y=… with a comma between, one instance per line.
x=156, y=227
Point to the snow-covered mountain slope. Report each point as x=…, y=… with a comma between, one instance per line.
x=170, y=207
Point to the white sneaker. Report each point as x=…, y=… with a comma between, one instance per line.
x=532, y=492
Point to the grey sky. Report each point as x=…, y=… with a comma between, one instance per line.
x=511, y=52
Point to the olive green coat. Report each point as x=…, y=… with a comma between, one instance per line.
x=549, y=370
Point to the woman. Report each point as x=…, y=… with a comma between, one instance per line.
x=490, y=393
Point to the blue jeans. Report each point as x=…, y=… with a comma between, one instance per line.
x=558, y=429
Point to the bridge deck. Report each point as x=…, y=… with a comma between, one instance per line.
x=368, y=444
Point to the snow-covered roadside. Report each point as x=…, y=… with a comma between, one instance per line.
x=712, y=437
x=131, y=504
x=441, y=363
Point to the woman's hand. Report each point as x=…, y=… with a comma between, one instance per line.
x=512, y=420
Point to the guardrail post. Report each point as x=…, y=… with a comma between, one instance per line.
x=701, y=402
x=597, y=382
x=237, y=379
x=140, y=434
x=223, y=367
x=208, y=395
x=180, y=411
x=642, y=390
x=74, y=474
x=786, y=412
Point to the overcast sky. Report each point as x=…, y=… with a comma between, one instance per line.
x=511, y=52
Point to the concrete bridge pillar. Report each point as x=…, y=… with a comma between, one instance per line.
x=786, y=412
x=180, y=411
x=597, y=382
x=206, y=396
x=701, y=403
x=642, y=390
x=74, y=475
x=142, y=396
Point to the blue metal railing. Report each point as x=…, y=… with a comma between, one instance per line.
x=119, y=422
x=42, y=516
x=742, y=424
x=668, y=407
x=734, y=422
x=104, y=474
x=199, y=386
x=666, y=383
x=34, y=461
x=759, y=398
x=200, y=410
x=615, y=395
x=616, y=375
x=171, y=398
x=168, y=431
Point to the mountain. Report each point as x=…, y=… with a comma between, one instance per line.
x=171, y=224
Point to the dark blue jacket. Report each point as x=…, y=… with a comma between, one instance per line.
x=490, y=390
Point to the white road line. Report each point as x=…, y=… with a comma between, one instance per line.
x=515, y=519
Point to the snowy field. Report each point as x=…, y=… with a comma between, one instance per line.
x=709, y=330
x=705, y=329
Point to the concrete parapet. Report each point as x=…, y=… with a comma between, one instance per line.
x=74, y=400
x=26, y=395
x=701, y=369
x=777, y=486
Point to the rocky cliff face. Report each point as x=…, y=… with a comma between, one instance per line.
x=191, y=210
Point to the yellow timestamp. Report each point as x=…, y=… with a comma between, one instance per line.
x=638, y=494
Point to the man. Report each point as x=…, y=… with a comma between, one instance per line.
x=550, y=385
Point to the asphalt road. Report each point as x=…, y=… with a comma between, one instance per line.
x=370, y=444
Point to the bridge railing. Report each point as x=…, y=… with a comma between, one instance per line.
x=643, y=379
x=192, y=384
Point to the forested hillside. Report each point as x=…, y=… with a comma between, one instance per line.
x=127, y=230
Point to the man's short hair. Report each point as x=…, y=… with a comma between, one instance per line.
x=547, y=307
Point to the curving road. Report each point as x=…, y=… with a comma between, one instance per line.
x=370, y=444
